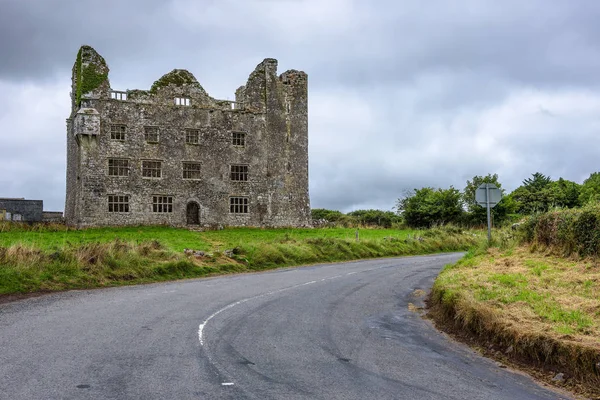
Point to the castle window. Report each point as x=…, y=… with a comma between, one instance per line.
x=162, y=204
x=182, y=101
x=151, y=134
x=118, y=167
x=118, y=203
x=191, y=170
x=117, y=132
x=192, y=136
x=239, y=173
x=114, y=94
x=151, y=169
x=238, y=205
x=239, y=139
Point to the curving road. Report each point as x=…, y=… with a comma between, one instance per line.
x=336, y=331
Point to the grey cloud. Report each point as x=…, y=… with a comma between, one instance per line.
x=528, y=43
x=39, y=39
x=391, y=41
x=403, y=94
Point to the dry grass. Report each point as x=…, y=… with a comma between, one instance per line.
x=25, y=269
x=546, y=309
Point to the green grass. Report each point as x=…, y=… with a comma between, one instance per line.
x=55, y=258
x=494, y=281
x=509, y=280
x=172, y=238
x=512, y=290
x=177, y=239
x=537, y=267
x=239, y=236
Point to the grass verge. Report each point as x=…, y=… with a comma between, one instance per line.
x=529, y=307
x=42, y=259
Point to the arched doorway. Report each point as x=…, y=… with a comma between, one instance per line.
x=193, y=213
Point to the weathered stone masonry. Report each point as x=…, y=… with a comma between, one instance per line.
x=21, y=210
x=174, y=155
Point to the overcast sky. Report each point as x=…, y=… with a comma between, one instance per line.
x=402, y=94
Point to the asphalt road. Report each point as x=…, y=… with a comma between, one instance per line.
x=337, y=331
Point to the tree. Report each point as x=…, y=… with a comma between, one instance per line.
x=537, y=182
x=427, y=206
x=590, y=190
x=477, y=214
x=534, y=195
x=565, y=193
x=328, y=215
x=539, y=193
x=375, y=217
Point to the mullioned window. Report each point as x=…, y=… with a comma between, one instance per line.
x=118, y=203
x=239, y=173
x=238, y=205
x=151, y=169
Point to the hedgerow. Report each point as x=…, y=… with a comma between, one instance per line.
x=570, y=232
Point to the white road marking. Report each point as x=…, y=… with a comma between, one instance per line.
x=227, y=384
x=203, y=324
x=227, y=307
x=332, y=277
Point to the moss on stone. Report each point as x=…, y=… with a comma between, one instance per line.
x=137, y=93
x=177, y=77
x=88, y=77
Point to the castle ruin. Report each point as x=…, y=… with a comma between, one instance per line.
x=174, y=155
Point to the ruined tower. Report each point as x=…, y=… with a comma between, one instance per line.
x=174, y=155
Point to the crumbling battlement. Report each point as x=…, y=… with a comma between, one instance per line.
x=90, y=81
x=174, y=155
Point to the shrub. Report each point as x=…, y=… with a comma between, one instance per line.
x=574, y=231
x=328, y=215
x=586, y=233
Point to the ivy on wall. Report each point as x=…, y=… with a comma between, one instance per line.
x=88, y=77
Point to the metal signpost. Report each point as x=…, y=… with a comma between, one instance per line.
x=488, y=195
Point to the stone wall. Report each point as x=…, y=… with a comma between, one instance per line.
x=53, y=216
x=270, y=110
x=21, y=209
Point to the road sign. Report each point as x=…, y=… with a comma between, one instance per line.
x=481, y=194
x=488, y=195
